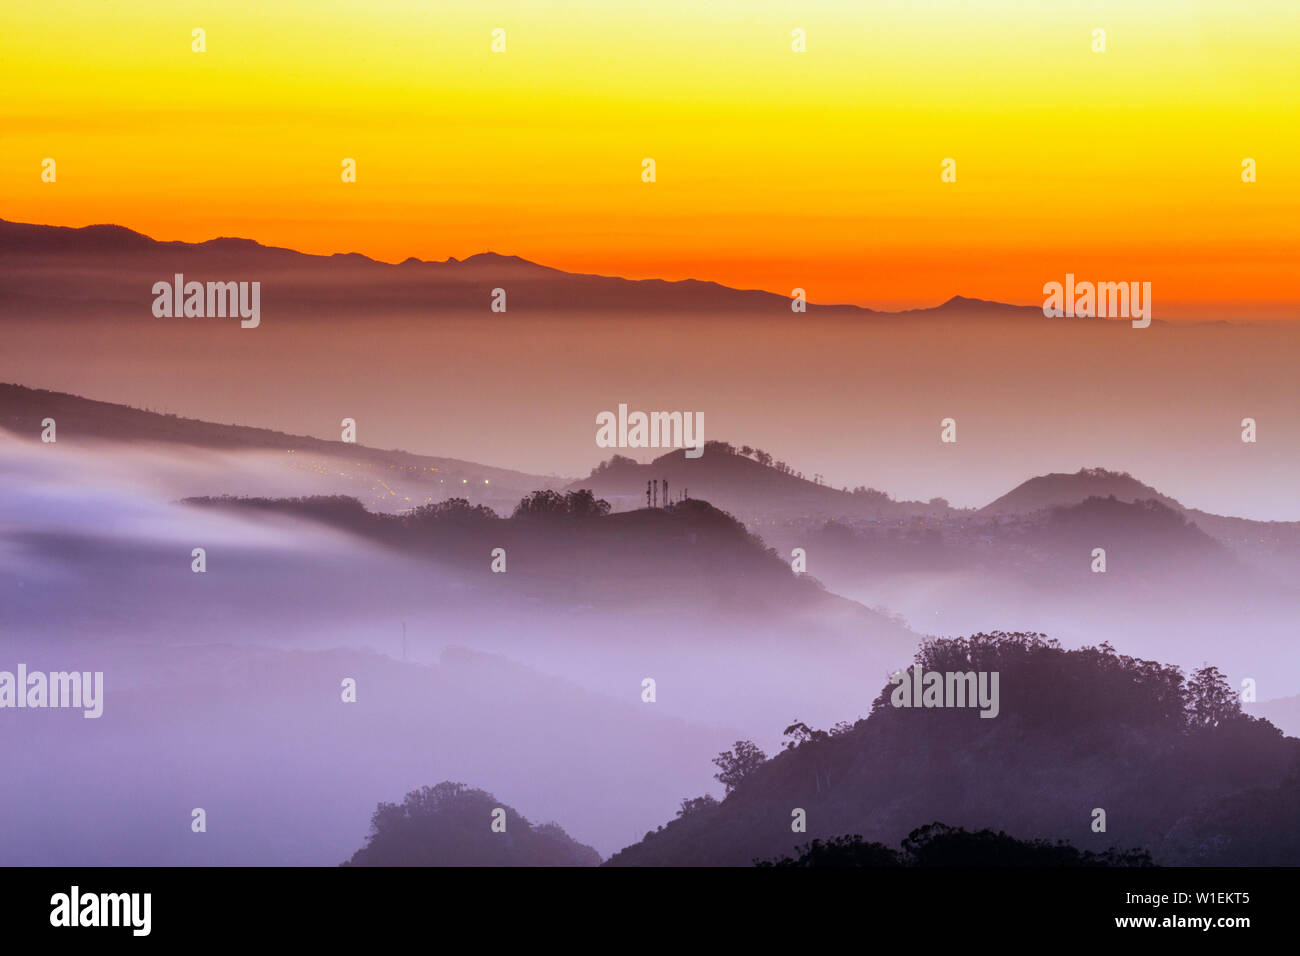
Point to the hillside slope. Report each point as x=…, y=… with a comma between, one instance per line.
x=1076, y=731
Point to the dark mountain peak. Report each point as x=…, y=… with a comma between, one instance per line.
x=1059, y=489
x=30, y=237
x=495, y=262
x=108, y=231
x=232, y=242
x=493, y=258
x=961, y=305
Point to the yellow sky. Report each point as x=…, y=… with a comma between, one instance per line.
x=775, y=169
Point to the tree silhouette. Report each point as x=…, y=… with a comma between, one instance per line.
x=735, y=765
x=541, y=504
x=937, y=845
x=584, y=504
x=1211, y=701
x=838, y=852
x=449, y=824
x=696, y=804
x=551, y=504
x=454, y=510
x=799, y=733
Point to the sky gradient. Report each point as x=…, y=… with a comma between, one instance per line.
x=775, y=169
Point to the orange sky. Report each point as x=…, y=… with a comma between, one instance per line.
x=775, y=169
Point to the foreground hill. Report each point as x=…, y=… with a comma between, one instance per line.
x=1076, y=732
x=450, y=824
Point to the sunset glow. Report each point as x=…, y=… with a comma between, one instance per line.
x=775, y=169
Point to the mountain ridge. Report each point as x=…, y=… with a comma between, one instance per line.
x=23, y=408
x=19, y=239
x=616, y=478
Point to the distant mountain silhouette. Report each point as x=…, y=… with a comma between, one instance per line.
x=1146, y=536
x=1047, y=491
x=22, y=410
x=450, y=824
x=756, y=491
x=740, y=484
x=1077, y=731
x=1272, y=545
x=966, y=307
x=42, y=269
x=899, y=535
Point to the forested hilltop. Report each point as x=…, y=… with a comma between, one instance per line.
x=1170, y=759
